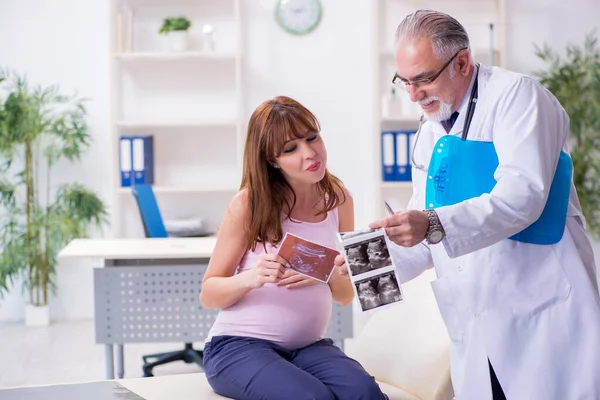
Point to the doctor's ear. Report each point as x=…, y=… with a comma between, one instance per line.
x=462, y=63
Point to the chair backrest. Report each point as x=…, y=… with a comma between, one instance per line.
x=149, y=211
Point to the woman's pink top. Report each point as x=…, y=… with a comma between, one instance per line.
x=292, y=318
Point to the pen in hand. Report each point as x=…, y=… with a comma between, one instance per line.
x=390, y=210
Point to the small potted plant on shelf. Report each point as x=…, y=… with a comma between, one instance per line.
x=40, y=127
x=176, y=29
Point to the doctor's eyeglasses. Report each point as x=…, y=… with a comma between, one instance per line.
x=404, y=84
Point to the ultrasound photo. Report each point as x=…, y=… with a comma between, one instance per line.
x=378, y=291
x=378, y=253
x=388, y=288
x=350, y=235
x=308, y=258
x=367, y=256
x=358, y=260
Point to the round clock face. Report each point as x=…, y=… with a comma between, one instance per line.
x=298, y=16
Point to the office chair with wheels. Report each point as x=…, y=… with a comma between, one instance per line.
x=154, y=227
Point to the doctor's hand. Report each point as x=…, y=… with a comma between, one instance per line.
x=406, y=228
x=293, y=280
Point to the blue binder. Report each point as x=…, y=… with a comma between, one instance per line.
x=125, y=161
x=388, y=156
x=403, y=167
x=411, y=145
x=143, y=160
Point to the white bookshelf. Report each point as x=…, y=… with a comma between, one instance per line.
x=177, y=123
x=189, y=101
x=475, y=15
x=400, y=119
x=186, y=189
x=185, y=55
x=400, y=185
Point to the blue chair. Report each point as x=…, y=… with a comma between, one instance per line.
x=151, y=217
x=155, y=228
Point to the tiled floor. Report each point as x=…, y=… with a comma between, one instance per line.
x=66, y=352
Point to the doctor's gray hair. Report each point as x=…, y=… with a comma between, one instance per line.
x=447, y=35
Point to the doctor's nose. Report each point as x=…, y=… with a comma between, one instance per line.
x=415, y=93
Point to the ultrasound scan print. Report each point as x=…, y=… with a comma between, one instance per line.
x=308, y=258
x=388, y=289
x=349, y=235
x=378, y=291
x=368, y=295
x=358, y=259
x=378, y=253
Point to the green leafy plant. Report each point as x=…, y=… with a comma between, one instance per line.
x=175, y=24
x=38, y=128
x=575, y=81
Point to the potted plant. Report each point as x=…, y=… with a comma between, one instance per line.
x=38, y=128
x=575, y=81
x=176, y=29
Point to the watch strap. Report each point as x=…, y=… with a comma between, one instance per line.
x=434, y=223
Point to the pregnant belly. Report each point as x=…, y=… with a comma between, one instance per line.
x=292, y=318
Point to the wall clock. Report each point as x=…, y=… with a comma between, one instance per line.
x=298, y=17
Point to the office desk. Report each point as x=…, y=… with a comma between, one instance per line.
x=147, y=291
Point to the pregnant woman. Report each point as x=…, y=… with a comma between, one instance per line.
x=267, y=341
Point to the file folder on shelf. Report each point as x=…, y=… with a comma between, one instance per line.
x=403, y=149
x=411, y=144
x=125, y=161
x=388, y=156
x=143, y=160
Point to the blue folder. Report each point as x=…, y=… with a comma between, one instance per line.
x=388, y=156
x=143, y=159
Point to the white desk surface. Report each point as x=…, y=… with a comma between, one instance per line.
x=146, y=248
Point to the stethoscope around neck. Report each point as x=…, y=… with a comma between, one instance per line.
x=468, y=118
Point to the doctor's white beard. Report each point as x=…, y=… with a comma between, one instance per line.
x=443, y=113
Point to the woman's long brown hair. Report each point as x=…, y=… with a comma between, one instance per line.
x=272, y=124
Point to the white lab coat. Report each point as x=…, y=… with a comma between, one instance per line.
x=533, y=310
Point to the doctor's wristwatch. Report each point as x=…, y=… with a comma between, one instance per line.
x=435, y=233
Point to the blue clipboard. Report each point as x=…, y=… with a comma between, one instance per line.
x=463, y=169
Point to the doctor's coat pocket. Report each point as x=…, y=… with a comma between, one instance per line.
x=531, y=278
x=448, y=310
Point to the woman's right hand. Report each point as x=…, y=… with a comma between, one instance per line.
x=269, y=269
x=340, y=262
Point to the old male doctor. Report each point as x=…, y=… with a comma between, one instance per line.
x=521, y=306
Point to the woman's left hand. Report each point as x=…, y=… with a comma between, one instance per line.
x=294, y=280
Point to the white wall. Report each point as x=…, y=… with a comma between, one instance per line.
x=546, y=21
x=66, y=42
x=329, y=71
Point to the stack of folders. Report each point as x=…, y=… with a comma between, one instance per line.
x=395, y=155
x=136, y=160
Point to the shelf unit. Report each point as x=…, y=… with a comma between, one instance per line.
x=185, y=189
x=185, y=55
x=189, y=101
x=176, y=123
x=476, y=16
